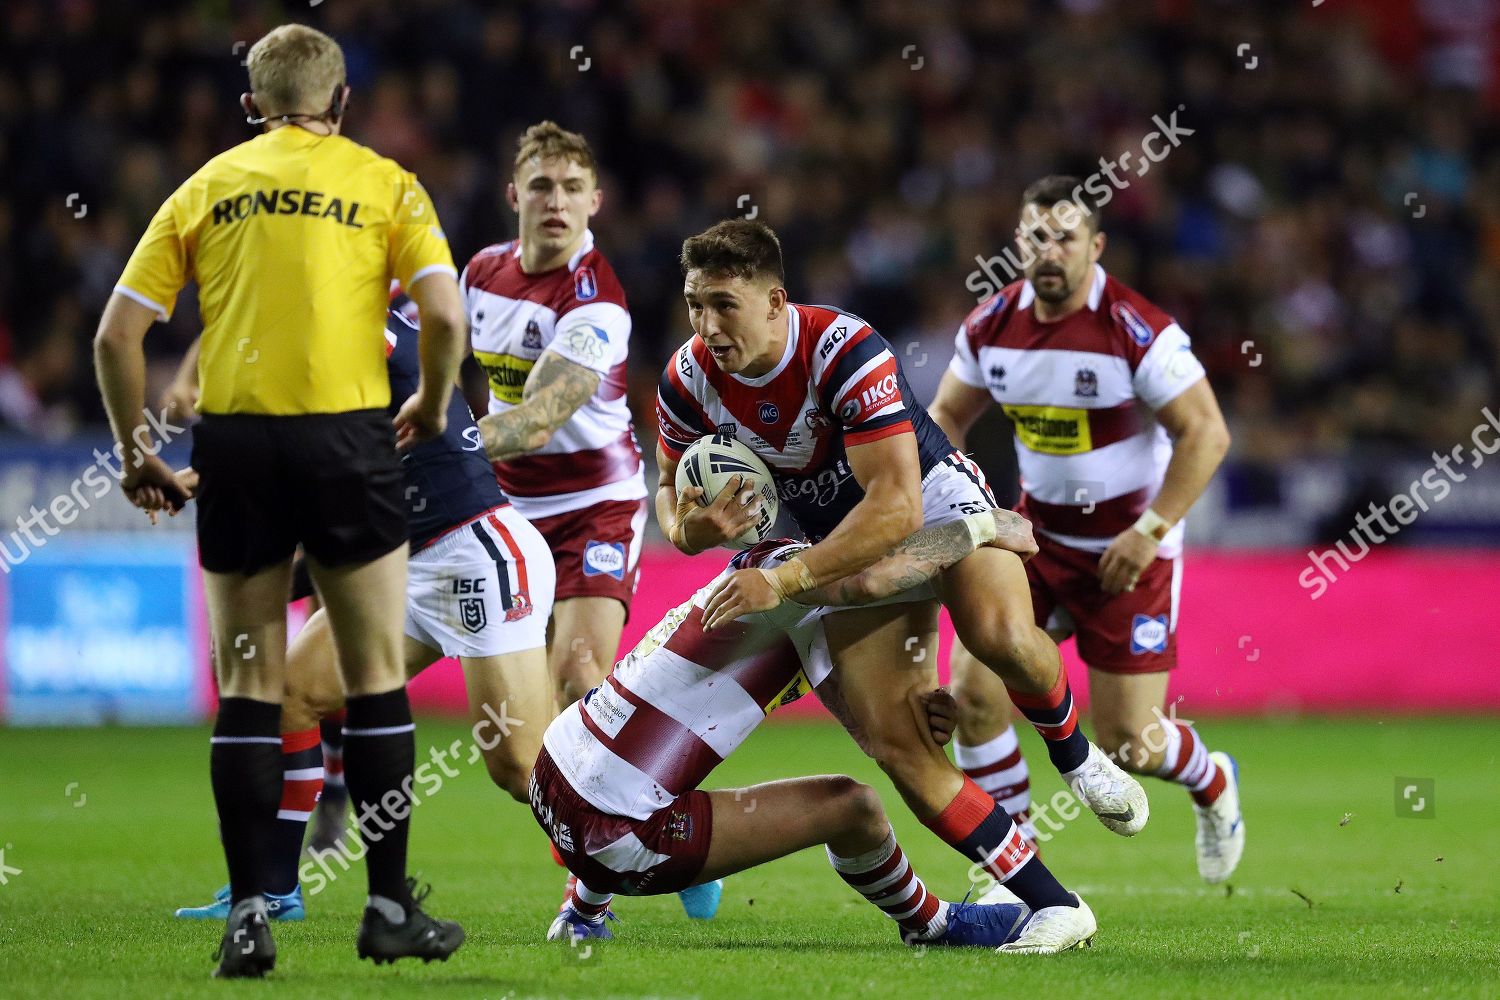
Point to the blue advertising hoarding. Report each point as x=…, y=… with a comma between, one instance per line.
x=102, y=628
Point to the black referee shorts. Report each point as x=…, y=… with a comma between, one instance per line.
x=329, y=481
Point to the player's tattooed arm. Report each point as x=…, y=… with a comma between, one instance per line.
x=922, y=556
x=554, y=391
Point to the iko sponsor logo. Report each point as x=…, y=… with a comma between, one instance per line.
x=878, y=394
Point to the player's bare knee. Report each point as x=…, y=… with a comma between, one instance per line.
x=1000, y=643
x=860, y=803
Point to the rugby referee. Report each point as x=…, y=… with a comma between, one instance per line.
x=293, y=238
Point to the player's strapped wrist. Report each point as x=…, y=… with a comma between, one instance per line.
x=677, y=535
x=791, y=577
x=1152, y=525
x=982, y=527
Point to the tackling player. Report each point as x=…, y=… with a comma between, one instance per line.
x=551, y=331
x=1117, y=433
x=617, y=784
x=479, y=586
x=819, y=396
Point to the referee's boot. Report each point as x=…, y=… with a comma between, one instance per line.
x=247, y=950
x=418, y=936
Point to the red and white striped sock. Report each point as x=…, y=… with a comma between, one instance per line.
x=301, y=784
x=999, y=769
x=884, y=877
x=589, y=904
x=1185, y=760
x=331, y=731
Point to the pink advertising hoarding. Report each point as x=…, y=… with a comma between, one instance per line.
x=1401, y=632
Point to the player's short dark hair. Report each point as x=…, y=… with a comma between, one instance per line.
x=1055, y=188
x=739, y=248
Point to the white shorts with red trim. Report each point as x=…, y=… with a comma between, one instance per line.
x=483, y=589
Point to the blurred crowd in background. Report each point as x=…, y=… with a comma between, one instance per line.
x=1328, y=234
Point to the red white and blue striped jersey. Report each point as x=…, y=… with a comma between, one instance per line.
x=683, y=699
x=838, y=384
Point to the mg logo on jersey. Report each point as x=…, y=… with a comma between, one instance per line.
x=471, y=613
x=604, y=559
x=768, y=413
x=1148, y=634
x=585, y=285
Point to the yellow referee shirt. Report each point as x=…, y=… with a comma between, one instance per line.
x=293, y=238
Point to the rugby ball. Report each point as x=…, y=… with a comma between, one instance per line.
x=711, y=462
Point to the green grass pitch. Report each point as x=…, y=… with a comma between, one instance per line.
x=1337, y=896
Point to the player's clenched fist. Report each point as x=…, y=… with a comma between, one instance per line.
x=733, y=512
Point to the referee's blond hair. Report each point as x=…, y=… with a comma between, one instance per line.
x=294, y=69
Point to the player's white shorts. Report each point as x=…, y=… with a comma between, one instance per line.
x=483, y=589
x=952, y=488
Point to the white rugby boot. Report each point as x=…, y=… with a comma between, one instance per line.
x=1053, y=929
x=1221, y=827
x=1114, y=796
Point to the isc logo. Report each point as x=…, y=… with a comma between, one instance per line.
x=469, y=586
x=833, y=340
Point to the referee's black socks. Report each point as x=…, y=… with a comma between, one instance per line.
x=379, y=756
x=245, y=769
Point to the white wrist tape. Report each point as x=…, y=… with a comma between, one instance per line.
x=982, y=527
x=1152, y=525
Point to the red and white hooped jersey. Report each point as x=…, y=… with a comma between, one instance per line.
x=579, y=312
x=1082, y=393
x=837, y=384
x=683, y=700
